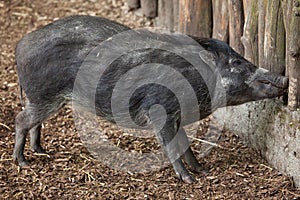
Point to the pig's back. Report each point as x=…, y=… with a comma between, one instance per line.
x=48, y=59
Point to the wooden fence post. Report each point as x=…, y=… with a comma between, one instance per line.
x=168, y=11
x=292, y=27
x=274, y=38
x=262, y=6
x=133, y=4
x=236, y=23
x=149, y=8
x=220, y=20
x=195, y=17
x=249, y=38
x=246, y=5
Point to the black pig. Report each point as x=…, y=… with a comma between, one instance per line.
x=49, y=59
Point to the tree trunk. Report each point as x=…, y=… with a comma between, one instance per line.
x=195, y=17
x=236, y=22
x=220, y=20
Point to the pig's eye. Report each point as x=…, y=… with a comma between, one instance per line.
x=235, y=61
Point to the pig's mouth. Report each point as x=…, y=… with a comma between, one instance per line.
x=272, y=84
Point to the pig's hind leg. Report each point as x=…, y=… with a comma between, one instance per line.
x=192, y=161
x=35, y=139
x=30, y=119
x=175, y=145
x=188, y=155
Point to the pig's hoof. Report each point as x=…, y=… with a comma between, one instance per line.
x=187, y=178
x=21, y=161
x=24, y=164
x=199, y=169
x=38, y=149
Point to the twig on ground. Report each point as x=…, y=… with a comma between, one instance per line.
x=1, y=124
x=207, y=142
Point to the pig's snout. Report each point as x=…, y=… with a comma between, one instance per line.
x=266, y=84
x=279, y=82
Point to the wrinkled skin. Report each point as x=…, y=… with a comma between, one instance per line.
x=48, y=61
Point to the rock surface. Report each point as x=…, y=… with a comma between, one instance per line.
x=272, y=130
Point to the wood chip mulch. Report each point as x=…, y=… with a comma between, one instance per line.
x=70, y=171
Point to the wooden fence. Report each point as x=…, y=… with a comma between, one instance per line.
x=266, y=32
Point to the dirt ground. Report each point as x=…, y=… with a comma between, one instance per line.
x=234, y=172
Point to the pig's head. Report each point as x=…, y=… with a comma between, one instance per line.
x=242, y=81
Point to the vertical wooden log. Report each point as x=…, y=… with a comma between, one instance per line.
x=294, y=64
x=133, y=4
x=195, y=17
x=176, y=14
x=149, y=8
x=274, y=38
x=292, y=25
x=247, y=5
x=168, y=14
x=165, y=15
x=236, y=22
x=220, y=20
x=287, y=10
x=249, y=38
x=262, y=6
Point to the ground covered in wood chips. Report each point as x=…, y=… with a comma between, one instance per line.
x=235, y=171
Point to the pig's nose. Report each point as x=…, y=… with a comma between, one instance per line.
x=285, y=82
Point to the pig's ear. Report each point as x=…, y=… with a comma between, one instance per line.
x=208, y=57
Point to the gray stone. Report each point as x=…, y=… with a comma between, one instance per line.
x=272, y=130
